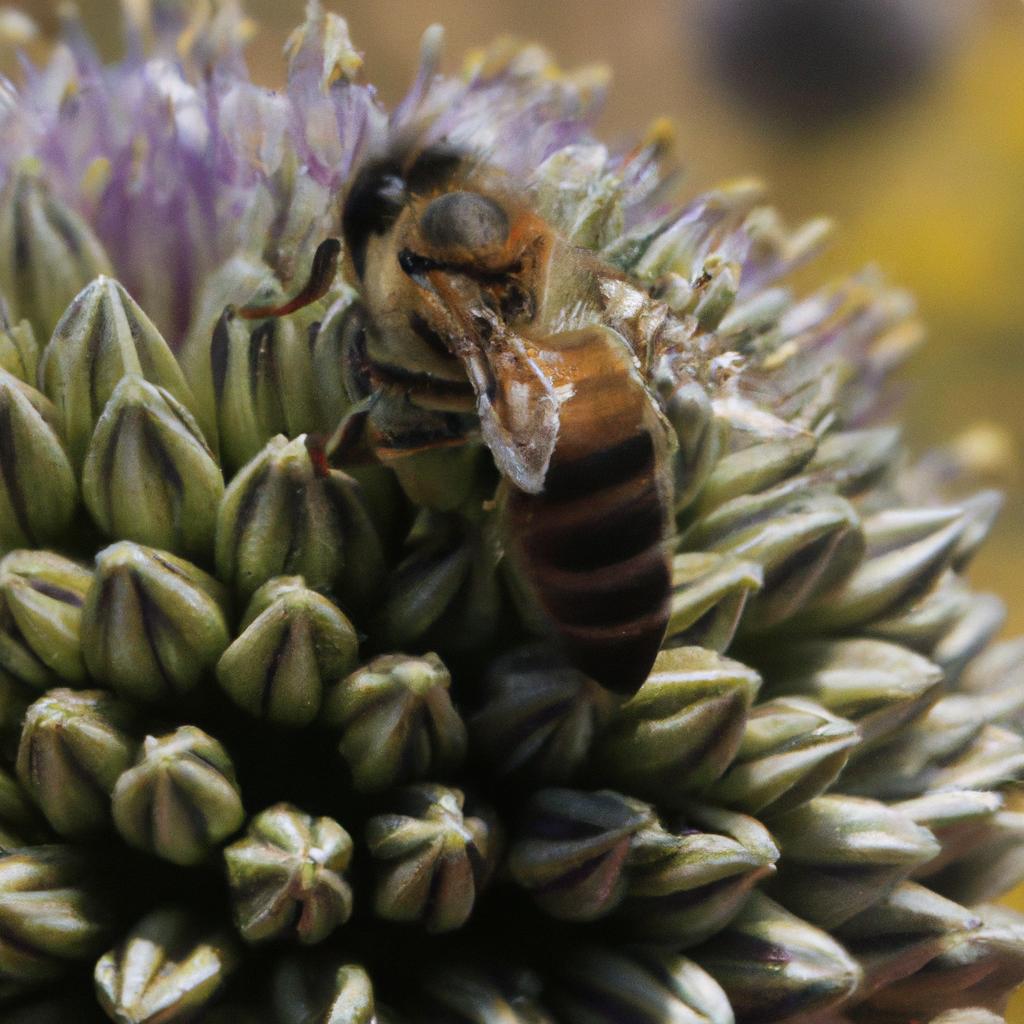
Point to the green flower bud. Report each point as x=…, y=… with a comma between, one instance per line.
x=949, y=624
x=910, y=763
x=698, y=438
x=642, y=985
x=287, y=876
x=237, y=281
x=294, y=642
x=47, y=251
x=803, y=539
x=899, y=935
x=688, y=883
x=433, y=857
x=572, y=850
x=446, y=590
x=181, y=798
x=681, y=729
x=19, y=350
x=263, y=383
x=309, y=991
x=923, y=623
x=397, y=722
x=977, y=968
x=446, y=478
x=775, y=967
x=907, y=549
x=855, y=460
x=982, y=618
x=281, y=516
x=52, y=912
x=1000, y=667
x=994, y=759
x=149, y=475
x=38, y=493
x=583, y=855
x=872, y=847
x=538, y=718
x=463, y=994
x=153, y=625
x=878, y=686
x=721, y=283
x=572, y=191
x=41, y=597
x=993, y=866
x=709, y=594
x=959, y=818
x=792, y=749
x=102, y=337
x=755, y=469
x=329, y=355
x=169, y=968
x=74, y=745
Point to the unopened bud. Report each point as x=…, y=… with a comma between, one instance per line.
x=397, y=721
x=792, y=749
x=287, y=876
x=181, y=798
x=47, y=251
x=102, y=337
x=682, y=728
x=539, y=717
x=775, y=967
x=308, y=990
x=52, y=912
x=38, y=493
x=432, y=857
x=74, y=745
x=153, y=625
x=41, y=597
x=294, y=643
x=169, y=968
x=283, y=515
x=872, y=845
x=645, y=986
x=149, y=475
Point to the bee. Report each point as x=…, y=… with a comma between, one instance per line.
x=464, y=290
x=465, y=287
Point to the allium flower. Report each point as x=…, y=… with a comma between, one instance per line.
x=297, y=721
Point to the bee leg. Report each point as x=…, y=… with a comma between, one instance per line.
x=321, y=277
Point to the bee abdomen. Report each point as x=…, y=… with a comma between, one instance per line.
x=594, y=549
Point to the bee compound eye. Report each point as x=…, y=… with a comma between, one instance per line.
x=464, y=220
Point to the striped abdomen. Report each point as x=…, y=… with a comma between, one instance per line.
x=593, y=546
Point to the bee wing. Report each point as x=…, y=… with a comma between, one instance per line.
x=518, y=405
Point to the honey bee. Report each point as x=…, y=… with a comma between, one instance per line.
x=465, y=289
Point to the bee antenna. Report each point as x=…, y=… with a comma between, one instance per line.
x=321, y=276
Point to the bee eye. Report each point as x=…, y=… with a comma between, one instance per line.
x=464, y=220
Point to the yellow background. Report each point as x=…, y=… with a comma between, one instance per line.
x=931, y=187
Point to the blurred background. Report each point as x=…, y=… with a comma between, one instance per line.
x=902, y=119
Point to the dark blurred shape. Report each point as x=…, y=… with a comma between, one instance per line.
x=809, y=64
